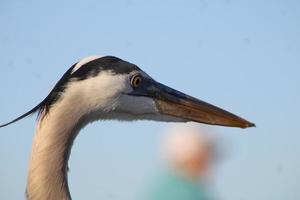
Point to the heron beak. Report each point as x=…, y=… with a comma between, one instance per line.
x=177, y=104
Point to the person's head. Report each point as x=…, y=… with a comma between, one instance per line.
x=188, y=150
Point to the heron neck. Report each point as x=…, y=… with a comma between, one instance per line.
x=54, y=137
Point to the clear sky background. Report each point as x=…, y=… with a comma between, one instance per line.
x=243, y=56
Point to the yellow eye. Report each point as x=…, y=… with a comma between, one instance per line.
x=136, y=81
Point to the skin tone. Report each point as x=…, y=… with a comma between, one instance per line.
x=196, y=166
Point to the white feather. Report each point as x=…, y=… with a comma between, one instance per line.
x=85, y=60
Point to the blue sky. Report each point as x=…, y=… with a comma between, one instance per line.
x=240, y=55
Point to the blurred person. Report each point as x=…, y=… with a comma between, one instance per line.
x=188, y=152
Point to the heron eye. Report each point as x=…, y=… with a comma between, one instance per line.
x=136, y=81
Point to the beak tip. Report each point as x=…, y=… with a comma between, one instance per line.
x=249, y=125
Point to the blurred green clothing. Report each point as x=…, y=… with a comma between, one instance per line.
x=172, y=186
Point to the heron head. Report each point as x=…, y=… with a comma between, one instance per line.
x=123, y=91
x=106, y=87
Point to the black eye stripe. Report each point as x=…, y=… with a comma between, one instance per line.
x=94, y=67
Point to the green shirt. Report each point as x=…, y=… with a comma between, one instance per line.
x=171, y=186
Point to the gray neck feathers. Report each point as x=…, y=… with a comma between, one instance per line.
x=55, y=134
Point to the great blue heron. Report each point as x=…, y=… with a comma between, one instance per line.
x=102, y=87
